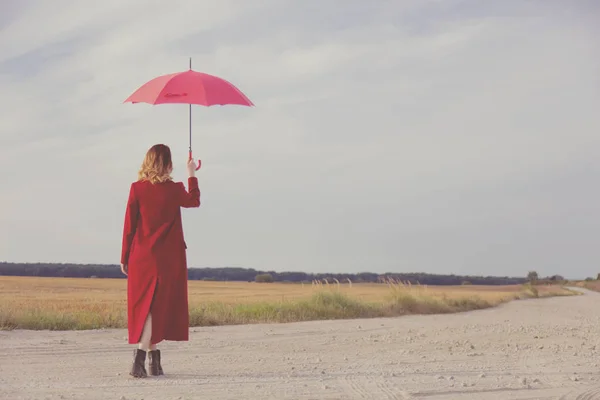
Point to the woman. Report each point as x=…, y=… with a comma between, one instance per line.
x=153, y=257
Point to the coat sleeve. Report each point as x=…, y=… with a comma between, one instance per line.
x=130, y=225
x=189, y=198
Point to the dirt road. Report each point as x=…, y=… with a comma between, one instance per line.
x=533, y=349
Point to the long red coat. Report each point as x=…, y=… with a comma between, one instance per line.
x=155, y=252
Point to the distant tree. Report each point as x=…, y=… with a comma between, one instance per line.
x=249, y=274
x=557, y=278
x=264, y=278
x=598, y=277
x=532, y=276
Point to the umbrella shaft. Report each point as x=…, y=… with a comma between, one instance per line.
x=190, y=117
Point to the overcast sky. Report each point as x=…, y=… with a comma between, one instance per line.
x=448, y=136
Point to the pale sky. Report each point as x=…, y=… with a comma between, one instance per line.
x=441, y=136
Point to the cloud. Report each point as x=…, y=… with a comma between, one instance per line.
x=454, y=136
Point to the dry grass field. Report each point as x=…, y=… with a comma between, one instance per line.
x=71, y=303
x=591, y=285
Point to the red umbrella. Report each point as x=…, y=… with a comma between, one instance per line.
x=189, y=87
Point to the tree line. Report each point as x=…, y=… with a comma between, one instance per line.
x=250, y=274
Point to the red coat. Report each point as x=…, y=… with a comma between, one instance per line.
x=155, y=252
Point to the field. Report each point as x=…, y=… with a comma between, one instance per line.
x=74, y=304
x=590, y=285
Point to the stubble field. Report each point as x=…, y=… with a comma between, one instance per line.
x=75, y=304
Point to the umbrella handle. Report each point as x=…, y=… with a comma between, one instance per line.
x=199, y=161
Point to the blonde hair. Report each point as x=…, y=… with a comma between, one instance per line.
x=157, y=165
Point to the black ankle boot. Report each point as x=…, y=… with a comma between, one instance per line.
x=137, y=369
x=154, y=363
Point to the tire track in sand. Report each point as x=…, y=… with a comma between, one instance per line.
x=588, y=394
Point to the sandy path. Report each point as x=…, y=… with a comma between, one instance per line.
x=534, y=349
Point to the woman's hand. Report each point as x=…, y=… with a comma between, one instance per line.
x=124, y=269
x=191, y=167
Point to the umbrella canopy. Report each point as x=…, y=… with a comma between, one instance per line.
x=189, y=87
